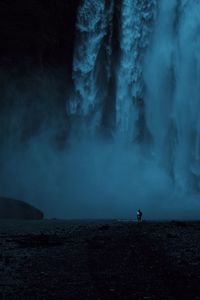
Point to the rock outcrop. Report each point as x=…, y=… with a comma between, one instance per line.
x=17, y=209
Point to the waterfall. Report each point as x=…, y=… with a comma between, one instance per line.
x=186, y=106
x=172, y=98
x=94, y=34
x=155, y=73
x=135, y=31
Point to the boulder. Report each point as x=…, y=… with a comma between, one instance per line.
x=17, y=209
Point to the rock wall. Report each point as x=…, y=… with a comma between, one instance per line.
x=37, y=32
x=16, y=209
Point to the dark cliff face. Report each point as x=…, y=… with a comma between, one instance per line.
x=37, y=32
x=36, y=55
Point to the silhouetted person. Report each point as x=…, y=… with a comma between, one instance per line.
x=139, y=215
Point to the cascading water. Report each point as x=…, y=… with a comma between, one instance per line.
x=94, y=32
x=172, y=100
x=133, y=117
x=156, y=77
x=135, y=31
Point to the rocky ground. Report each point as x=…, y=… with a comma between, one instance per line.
x=99, y=260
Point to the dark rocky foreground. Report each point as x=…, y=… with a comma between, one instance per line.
x=99, y=260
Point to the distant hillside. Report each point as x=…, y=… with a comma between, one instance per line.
x=16, y=209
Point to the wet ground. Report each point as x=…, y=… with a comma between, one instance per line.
x=99, y=260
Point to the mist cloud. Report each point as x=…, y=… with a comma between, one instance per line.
x=91, y=179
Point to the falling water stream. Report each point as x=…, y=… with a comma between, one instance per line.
x=155, y=71
x=133, y=118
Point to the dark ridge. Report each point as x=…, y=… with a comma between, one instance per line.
x=17, y=209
